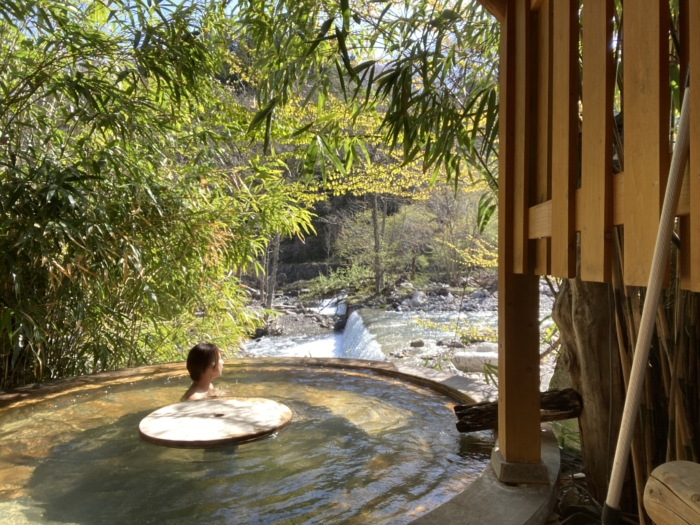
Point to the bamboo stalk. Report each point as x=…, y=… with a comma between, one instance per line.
x=664, y=342
x=625, y=315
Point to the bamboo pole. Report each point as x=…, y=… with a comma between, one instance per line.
x=611, y=512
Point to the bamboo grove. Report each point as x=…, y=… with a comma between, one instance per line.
x=125, y=205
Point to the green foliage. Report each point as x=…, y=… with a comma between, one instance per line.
x=430, y=66
x=467, y=333
x=354, y=278
x=122, y=217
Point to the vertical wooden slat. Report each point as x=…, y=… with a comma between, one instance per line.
x=564, y=135
x=684, y=38
x=522, y=139
x=597, y=138
x=694, y=217
x=544, y=126
x=518, y=294
x=646, y=99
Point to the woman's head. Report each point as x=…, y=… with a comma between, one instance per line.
x=202, y=357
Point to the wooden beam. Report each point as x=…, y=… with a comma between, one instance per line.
x=646, y=103
x=693, y=228
x=564, y=135
x=597, y=138
x=518, y=294
x=536, y=4
x=544, y=130
x=541, y=214
x=496, y=7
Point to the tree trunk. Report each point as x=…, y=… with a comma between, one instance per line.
x=585, y=313
x=274, y=251
x=378, y=270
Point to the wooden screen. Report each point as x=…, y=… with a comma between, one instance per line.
x=563, y=129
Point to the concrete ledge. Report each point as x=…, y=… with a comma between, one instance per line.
x=461, y=388
x=488, y=501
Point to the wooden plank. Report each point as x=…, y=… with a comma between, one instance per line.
x=694, y=175
x=535, y=5
x=522, y=141
x=518, y=294
x=541, y=214
x=564, y=136
x=544, y=133
x=683, y=62
x=672, y=494
x=597, y=138
x=646, y=102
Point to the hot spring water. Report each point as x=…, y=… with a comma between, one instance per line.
x=361, y=448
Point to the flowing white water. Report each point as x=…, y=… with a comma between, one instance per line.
x=355, y=342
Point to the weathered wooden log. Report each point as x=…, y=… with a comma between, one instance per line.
x=672, y=493
x=555, y=405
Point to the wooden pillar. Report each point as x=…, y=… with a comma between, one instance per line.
x=518, y=294
x=597, y=138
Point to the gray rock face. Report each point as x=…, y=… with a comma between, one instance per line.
x=417, y=343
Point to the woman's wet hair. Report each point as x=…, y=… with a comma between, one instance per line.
x=201, y=357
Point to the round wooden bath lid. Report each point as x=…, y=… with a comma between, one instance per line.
x=214, y=422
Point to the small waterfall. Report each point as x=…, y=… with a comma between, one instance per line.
x=358, y=342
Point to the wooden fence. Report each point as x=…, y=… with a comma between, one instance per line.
x=561, y=176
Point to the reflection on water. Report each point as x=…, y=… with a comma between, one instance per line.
x=360, y=449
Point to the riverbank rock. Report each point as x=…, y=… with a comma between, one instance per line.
x=487, y=347
x=418, y=299
x=451, y=343
x=417, y=343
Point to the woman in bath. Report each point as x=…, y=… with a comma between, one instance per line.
x=204, y=363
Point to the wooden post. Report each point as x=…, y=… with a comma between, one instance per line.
x=518, y=294
x=597, y=138
x=646, y=102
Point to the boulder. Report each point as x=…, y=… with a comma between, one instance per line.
x=417, y=343
x=419, y=299
x=486, y=346
x=470, y=361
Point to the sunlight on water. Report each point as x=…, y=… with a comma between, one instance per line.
x=360, y=449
